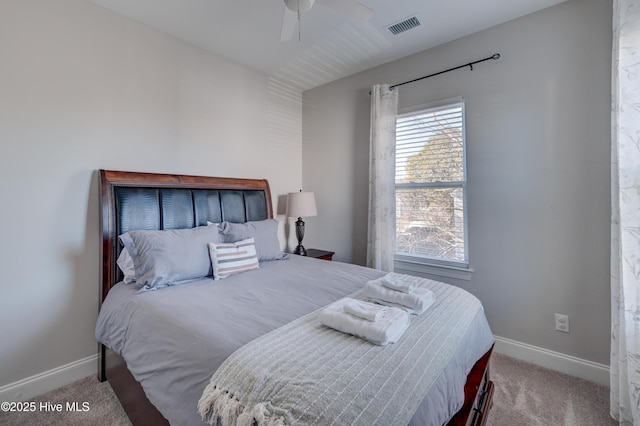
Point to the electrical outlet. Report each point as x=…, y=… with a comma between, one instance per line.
x=562, y=323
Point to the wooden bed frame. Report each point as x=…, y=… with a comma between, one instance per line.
x=478, y=389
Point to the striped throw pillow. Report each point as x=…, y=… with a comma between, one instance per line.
x=233, y=258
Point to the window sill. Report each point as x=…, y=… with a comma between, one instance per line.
x=411, y=267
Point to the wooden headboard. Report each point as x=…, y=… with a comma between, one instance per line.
x=131, y=201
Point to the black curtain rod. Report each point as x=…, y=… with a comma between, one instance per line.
x=495, y=57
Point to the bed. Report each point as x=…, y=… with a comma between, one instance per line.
x=159, y=349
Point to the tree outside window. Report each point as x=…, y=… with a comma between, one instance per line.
x=430, y=183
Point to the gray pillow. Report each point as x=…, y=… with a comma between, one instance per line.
x=163, y=258
x=264, y=233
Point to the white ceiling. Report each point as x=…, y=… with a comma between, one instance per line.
x=332, y=45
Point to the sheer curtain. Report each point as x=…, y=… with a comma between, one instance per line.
x=382, y=169
x=625, y=214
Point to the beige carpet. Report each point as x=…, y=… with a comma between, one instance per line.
x=525, y=395
x=104, y=408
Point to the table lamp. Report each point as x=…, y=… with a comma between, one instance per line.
x=301, y=204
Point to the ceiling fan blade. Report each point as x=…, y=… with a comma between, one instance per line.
x=349, y=7
x=299, y=5
x=289, y=22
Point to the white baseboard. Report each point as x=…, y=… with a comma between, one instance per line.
x=557, y=361
x=38, y=384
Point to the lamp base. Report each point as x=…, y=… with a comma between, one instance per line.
x=300, y=250
x=300, y=235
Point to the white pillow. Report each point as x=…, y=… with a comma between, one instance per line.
x=125, y=263
x=232, y=258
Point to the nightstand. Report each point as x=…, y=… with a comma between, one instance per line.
x=320, y=254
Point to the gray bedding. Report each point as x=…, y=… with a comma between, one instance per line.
x=175, y=338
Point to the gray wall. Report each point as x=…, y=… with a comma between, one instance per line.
x=538, y=137
x=81, y=89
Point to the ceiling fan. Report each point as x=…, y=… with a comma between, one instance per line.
x=293, y=9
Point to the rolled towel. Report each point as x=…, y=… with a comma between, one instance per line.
x=364, y=310
x=415, y=302
x=399, y=282
x=388, y=329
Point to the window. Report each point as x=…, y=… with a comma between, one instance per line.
x=431, y=185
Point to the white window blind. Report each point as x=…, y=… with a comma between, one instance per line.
x=431, y=184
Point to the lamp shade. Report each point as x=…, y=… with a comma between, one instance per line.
x=301, y=204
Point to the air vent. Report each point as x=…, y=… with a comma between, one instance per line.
x=404, y=25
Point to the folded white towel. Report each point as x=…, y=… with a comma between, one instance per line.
x=388, y=329
x=399, y=282
x=415, y=302
x=364, y=310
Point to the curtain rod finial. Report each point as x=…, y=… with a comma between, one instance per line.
x=496, y=56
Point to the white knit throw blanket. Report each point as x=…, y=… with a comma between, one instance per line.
x=306, y=373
